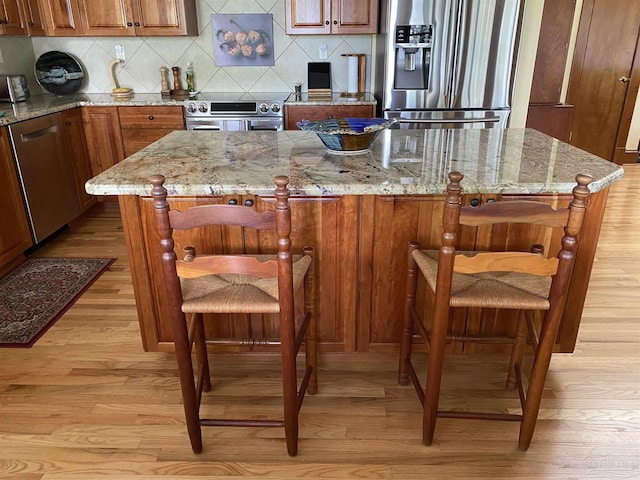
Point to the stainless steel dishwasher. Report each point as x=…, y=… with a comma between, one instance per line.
x=46, y=174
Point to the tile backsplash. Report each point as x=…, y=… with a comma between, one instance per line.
x=23, y=62
x=145, y=55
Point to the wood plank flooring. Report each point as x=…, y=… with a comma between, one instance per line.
x=86, y=402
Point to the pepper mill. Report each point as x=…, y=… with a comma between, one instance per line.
x=164, y=89
x=178, y=91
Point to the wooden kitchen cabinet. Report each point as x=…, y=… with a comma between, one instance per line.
x=62, y=18
x=32, y=12
x=15, y=236
x=339, y=17
x=104, y=140
x=77, y=145
x=141, y=126
x=138, y=17
x=12, y=19
x=295, y=113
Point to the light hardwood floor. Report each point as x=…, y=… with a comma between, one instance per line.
x=86, y=402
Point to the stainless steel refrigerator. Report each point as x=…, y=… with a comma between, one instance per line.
x=447, y=62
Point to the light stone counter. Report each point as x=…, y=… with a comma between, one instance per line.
x=44, y=104
x=401, y=162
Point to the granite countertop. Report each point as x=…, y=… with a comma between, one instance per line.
x=46, y=103
x=400, y=162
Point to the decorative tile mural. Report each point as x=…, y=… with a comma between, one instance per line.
x=145, y=55
x=243, y=40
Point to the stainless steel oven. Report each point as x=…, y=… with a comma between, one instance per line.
x=235, y=112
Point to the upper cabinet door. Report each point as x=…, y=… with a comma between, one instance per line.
x=62, y=18
x=308, y=17
x=106, y=17
x=331, y=17
x=349, y=17
x=165, y=17
x=34, y=18
x=12, y=21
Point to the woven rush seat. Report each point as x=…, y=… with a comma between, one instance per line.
x=514, y=290
x=226, y=293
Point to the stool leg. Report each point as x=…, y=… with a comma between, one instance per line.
x=187, y=384
x=538, y=377
x=434, y=370
x=201, y=352
x=289, y=381
x=517, y=351
x=407, y=326
x=311, y=340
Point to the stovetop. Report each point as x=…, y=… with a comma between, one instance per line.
x=205, y=104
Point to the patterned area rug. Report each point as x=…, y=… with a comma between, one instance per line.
x=39, y=291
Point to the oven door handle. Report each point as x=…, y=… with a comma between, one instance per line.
x=204, y=127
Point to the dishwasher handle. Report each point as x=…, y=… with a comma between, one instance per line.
x=27, y=137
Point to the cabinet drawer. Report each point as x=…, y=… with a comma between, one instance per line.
x=151, y=117
x=294, y=114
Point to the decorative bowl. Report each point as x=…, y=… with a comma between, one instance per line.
x=347, y=136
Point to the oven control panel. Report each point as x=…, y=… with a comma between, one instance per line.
x=201, y=108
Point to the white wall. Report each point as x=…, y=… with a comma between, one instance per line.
x=17, y=57
x=633, y=140
x=530, y=32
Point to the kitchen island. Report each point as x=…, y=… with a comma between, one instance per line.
x=359, y=211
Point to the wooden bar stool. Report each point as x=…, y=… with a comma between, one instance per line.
x=232, y=284
x=524, y=281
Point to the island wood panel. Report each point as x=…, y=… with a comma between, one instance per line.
x=326, y=223
x=361, y=247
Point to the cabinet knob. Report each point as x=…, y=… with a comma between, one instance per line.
x=233, y=201
x=474, y=202
x=335, y=22
x=248, y=202
x=150, y=117
x=624, y=79
x=129, y=24
x=137, y=24
x=67, y=123
x=31, y=24
x=327, y=22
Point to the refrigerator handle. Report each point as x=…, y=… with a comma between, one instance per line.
x=450, y=120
